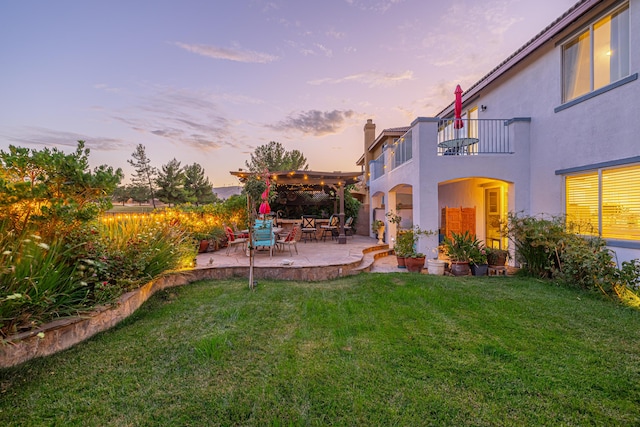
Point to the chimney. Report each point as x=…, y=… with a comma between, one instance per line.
x=369, y=137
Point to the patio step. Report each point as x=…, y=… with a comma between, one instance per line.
x=370, y=255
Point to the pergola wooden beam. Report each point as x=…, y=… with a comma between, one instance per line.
x=332, y=180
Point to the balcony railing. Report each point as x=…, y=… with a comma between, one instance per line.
x=474, y=137
x=376, y=167
x=401, y=150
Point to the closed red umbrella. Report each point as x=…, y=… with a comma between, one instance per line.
x=458, y=123
x=264, y=206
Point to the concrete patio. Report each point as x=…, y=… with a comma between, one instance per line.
x=315, y=260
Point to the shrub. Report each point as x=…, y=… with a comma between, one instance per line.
x=38, y=282
x=536, y=242
x=585, y=263
x=550, y=248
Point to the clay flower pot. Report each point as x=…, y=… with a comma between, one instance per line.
x=460, y=268
x=414, y=265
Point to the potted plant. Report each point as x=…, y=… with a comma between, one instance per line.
x=378, y=228
x=206, y=238
x=497, y=257
x=479, y=266
x=459, y=248
x=404, y=246
x=414, y=260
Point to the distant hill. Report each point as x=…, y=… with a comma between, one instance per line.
x=226, y=192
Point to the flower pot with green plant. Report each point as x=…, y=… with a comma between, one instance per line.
x=408, y=240
x=478, y=260
x=460, y=248
x=497, y=257
x=405, y=242
x=378, y=227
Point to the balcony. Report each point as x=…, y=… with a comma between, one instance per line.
x=377, y=167
x=475, y=137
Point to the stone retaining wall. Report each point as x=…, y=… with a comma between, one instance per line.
x=62, y=334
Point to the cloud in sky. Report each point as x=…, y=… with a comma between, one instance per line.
x=380, y=6
x=34, y=135
x=182, y=117
x=315, y=122
x=369, y=78
x=231, y=54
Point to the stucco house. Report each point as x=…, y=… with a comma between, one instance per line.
x=554, y=129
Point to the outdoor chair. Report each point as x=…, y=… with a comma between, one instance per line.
x=234, y=240
x=331, y=228
x=262, y=236
x=309, y=228
x=239, y=233
x=348, y=227
x=291, y=239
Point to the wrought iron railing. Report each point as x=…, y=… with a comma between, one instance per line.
x=473, y=137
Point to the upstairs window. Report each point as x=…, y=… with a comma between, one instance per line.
x=596, y=57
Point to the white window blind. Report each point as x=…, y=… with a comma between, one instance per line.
x=582, y=202
x=621, y=203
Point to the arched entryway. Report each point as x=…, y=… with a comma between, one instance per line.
x=476, y=204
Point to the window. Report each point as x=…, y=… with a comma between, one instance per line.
x=605, y=202
x=596, y=57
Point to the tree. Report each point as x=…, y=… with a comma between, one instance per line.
x=51, y=191
x=170, y=181
x=139, y=193
x=145, y=173
x=273, y=157
x=122, y=194
x=197, y=186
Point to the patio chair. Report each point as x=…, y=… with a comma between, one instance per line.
x=309, y=228
x=291, y=239
x=331, y=228
x=348, y=227
x=239, y=233
x=234, y=240
x=262, y=236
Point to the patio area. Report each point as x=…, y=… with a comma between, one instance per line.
x=315, y=260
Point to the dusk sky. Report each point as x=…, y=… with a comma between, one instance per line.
x=208, y=81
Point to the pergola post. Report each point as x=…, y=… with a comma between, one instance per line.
x=342, y=238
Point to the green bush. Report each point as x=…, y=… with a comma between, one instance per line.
x=37, y=281
x=550, y=248
x=586, y=263
x=536, y=241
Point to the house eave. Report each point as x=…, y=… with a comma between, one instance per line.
x=546, y=35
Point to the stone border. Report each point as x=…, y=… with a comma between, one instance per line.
x=65, y=333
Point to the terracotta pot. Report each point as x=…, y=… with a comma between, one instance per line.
x=204, y=245
x=414, y=265
x=401, y=261
x=460, y=268
x=479, y=269
x=498, y=260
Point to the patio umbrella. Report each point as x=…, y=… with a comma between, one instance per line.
x=458, y=123
x=264, y=206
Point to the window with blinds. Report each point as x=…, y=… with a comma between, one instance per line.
x=621, y=203
x=618, y=213
x=582, y=202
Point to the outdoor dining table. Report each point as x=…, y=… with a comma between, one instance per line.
x=455, y=146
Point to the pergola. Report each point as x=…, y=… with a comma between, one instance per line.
x=312, y=180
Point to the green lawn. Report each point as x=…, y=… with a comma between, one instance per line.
x=374, y=349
